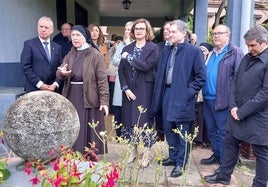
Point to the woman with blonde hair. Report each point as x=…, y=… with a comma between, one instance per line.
x=117, y=96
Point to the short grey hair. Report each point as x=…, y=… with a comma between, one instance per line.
x=258, y=33
x=47, y=19
x=181, y=25
x=227, y=29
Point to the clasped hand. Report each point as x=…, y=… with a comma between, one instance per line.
x=47, y=87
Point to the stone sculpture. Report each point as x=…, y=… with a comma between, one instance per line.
x=39, y=123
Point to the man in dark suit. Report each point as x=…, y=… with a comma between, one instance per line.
x=40, y=58
x=160, y=136
x=248, y=111
x=166, y=37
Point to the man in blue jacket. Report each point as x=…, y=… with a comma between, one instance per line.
x=222, y=64
x=249, y=111
x=180, y=76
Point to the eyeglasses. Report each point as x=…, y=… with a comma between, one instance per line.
x=217, y=33
x=139, y=29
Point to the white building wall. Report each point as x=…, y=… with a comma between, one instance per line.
x=18, y=20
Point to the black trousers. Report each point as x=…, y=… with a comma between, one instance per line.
x=159, y=126
x=231, y=155
x=118, y=118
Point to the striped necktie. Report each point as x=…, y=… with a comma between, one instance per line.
x=47, y=51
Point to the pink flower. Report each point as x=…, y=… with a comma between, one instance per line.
x=34, y=181
x=57, y=182
x=40, y=167
x=112, y=177
x=111, y=183
x=27, y=170
x=56, y=165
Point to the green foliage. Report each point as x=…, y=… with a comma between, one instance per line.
x=265, y=25
x=190, y=23
x=4, y=172
x=209, y=37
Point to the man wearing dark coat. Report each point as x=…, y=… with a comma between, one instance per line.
x=160, y=135
x=248, y=121
x=64, y=38
x=40, y=59
x=177, y=83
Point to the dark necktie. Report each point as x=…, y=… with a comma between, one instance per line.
x=47, y=51
x=171, y=65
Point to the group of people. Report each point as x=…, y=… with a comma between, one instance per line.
x=235, y=102
x=165, y=79
x=82, y=72
x=238, y=112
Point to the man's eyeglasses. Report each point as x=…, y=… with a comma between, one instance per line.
x=139, y=29
x=217, y=33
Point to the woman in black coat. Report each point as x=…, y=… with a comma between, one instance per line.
x=136, y=73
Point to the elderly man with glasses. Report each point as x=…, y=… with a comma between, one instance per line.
x=221, y=66
x=64, y=38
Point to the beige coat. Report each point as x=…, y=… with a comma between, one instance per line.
x=95, y=86
x=104, y=52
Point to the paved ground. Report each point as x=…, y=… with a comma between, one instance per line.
x=193, y=177
x=242, y=176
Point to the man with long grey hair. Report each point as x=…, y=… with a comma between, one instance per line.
x=248, y=111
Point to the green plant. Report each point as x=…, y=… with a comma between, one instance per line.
x=142, y=137
x=66, y=170
x=103, y=136
x=188, y=138
x=4, y=172
x=139, y=137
